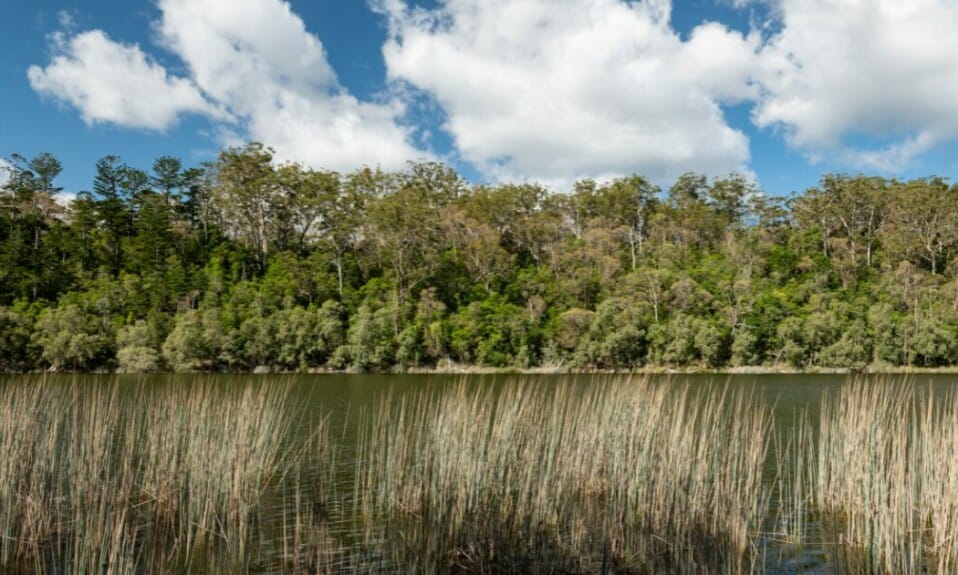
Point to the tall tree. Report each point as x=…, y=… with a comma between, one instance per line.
x=923, y=223
x=629, y=203
x=168, y=177
x=112, y=210
x=247, y=192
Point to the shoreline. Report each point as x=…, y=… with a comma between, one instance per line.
x=657, y=370
x=744, y=370
x=550, y=370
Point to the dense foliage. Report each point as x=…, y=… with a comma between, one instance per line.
x=244, y=263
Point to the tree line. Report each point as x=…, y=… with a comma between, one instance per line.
x=245, y=263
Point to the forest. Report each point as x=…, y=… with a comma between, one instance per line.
x=246, y=263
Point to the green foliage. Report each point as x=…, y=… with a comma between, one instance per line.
x=306, y=337
x=17, y=351
x=244, y=263
x=745, y=349
x=136, y=349
x=195, y=341
x=71, y=338
x=931, y=345
x=371, y=338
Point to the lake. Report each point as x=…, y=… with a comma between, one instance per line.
x=480, y=473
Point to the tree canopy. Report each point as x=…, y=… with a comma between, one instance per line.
x=246, y=262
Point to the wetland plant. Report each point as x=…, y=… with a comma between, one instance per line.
x=887, y=485
x=626, y=477
x=98, y=478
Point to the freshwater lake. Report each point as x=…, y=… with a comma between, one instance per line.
x=346, y=403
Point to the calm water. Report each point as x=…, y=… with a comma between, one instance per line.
x=345, y=401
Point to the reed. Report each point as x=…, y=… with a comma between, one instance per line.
x=160, y=479
x=795, y=476
x=888, y=478
x=627, y=477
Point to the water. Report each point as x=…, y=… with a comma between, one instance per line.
x=347, y=402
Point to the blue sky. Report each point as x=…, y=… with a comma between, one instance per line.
x=537, y=90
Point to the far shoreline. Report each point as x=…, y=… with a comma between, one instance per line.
x=465, y=369
x=743, y=370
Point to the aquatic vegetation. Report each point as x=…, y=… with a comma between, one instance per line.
x=93, y=481
x=531, y=475
x=628, y=476
x=888, y=478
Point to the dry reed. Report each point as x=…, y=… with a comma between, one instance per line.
x=627, y=477
x=621, y=476
x=159, y=480
x=888, y=478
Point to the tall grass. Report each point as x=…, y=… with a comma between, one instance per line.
x=167, y=479
x=888, y=478
x=628, y=476
x=619, y=476
x=795, y=477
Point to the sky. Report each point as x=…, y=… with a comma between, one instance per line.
x=547, y=91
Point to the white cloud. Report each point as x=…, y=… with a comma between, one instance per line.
x=550, y=90
x=115, y=83
x=262, y=65
x=875, y=68
x=254, y=70
x=558, y=89
x=5, y=168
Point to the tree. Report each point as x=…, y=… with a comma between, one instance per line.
x=310, y=198
x=195, y=340
x=31, y=213
x=168, y=178
x=371, y=338
x=923, y=223
x=476, y=244
x=628, y=203
x=404, y=232
x=153, y=240
x=136, y=350
x=247, y=193
x=17, y=352
x=729, y=197
x=71, y=338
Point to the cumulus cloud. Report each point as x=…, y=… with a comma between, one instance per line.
x=876, y=68
x=550, y=90
x=256, y=72
x=263, y=66
x=115, y=83
x=557, y=89
x=5, y=168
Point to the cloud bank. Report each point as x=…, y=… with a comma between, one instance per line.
x=109, y=82
x=843, y=68
x=566, y=88
x=256, y=71
x=550, y=90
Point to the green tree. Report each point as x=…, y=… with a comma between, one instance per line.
x=628, y=203
x=247, y=193
x=17, y=352
x=71, y=338
x=923, y=223
x=136, y=349
x=195, y=341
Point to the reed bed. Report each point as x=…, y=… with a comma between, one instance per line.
x=626, y=477
x=887, y=486
x=100, y=479
x=618, y=476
